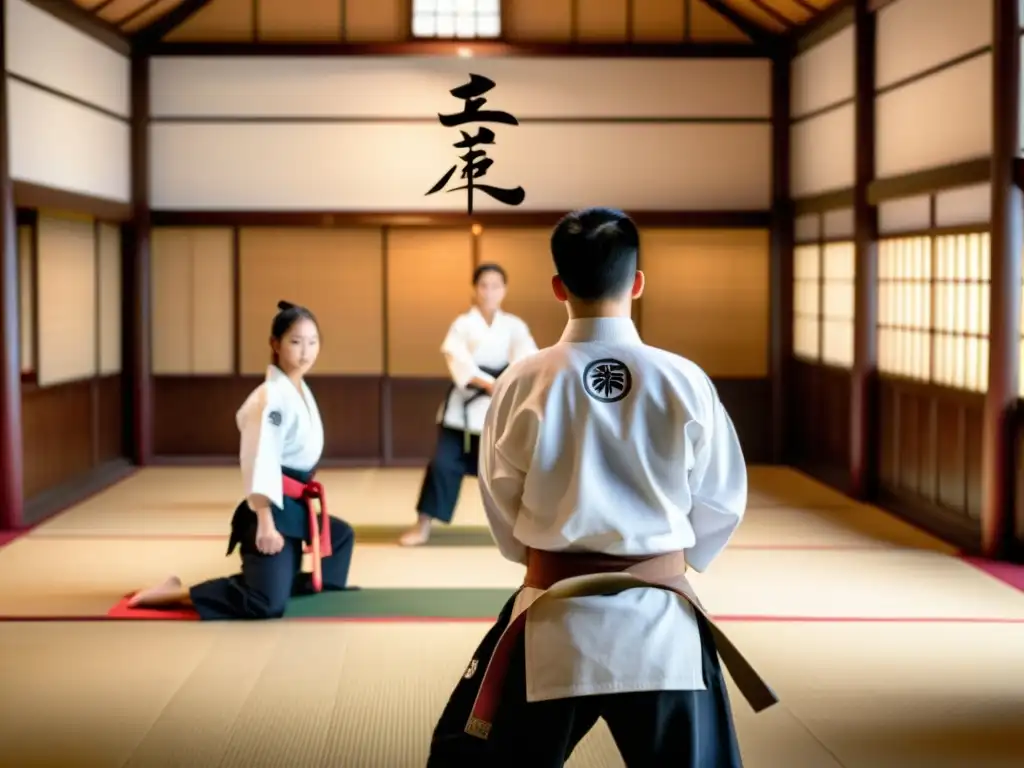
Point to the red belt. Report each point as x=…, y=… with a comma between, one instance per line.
x=319, y=545
x=563, y=575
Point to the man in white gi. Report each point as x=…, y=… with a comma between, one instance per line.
x=606, y=467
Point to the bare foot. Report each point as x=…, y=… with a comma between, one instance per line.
x=416, y=536
x=168, y=592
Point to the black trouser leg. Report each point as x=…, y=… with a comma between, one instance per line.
x=260, y=591
x=442, y=481
x=530, y=735
x=688, y=729
x=334, y=568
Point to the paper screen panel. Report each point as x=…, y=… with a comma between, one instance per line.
x=336, y=273
x=110, y=299
x=429, y=276
x=171, y=296
x=905, y=293
x=27, y=295
x=193, y=301
x=66, y=293
x=525, y=253
x=961, y=316
x=213, y=302
x=837, y=309
x=807, y=302
x=707, y=297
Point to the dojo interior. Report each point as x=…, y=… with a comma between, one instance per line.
x=829, y=198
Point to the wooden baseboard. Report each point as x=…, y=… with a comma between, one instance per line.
x=54, y=500
x=947, y=524
x=194, y=417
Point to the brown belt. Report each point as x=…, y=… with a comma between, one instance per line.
x=563, y=575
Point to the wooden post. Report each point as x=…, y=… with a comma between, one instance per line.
x=11, y=500
x=1007, y=237
x=136, y=262
x=863, y=376
x=780, y=279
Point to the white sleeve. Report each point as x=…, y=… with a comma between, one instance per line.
x=506, y=444
x=718, y=485
x=262, y=423
x=461, y=365
x=523, y=344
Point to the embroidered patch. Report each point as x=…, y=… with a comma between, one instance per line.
x=470, y=670
x=274, y=417
x=607, y=380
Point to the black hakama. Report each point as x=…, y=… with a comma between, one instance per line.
x=683, y=729
x=456, y=455
x=262, y=589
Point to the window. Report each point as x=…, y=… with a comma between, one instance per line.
x=823, y=308
x=807, y=302
x=933, y=296
x=904, y=307
x=466, y=19
x=837, y=304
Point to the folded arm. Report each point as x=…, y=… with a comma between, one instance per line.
x=461, y=366
x=718, y=485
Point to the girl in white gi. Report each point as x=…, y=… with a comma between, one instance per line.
x=599, y=454
x=480, y=344
x=282, y=438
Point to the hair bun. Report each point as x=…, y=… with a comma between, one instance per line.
x=284, y=305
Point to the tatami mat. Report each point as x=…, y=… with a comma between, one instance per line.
x=84, y=577
x=786, y=509
x=355, y=696
x=66, y=577
x=363, y=695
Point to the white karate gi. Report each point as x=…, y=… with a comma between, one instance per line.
x=280, y=427
x=656, y=471
x=472, y=343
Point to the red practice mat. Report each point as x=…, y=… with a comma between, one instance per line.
x=122, y=611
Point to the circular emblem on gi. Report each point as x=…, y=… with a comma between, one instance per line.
x=607, y=380
x=275, y=418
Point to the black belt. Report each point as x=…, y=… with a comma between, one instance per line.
x=477, y=394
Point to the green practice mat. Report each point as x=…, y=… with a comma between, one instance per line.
x=441, y=536
x=401, y=603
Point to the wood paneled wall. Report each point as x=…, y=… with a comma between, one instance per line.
x=384, y=298
x=70, y=316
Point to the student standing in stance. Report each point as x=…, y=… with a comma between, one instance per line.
x=480, y=344
x=598, y=455
x=282, y=438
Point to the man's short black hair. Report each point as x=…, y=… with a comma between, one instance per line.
x=483, y=269
x=595, y=252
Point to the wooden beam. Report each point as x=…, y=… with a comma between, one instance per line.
x=332, y=219
x=478, y=49
x=137, y=319
x=758, y=34
x=930, y=181
x=154, y=32
x=86, y=23
x=835, y=200
x=1007, y=240
x=836, y=18
x=863, y=376
x=11, y=500
x=780, y=264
